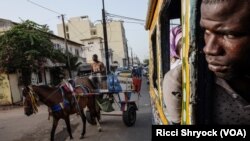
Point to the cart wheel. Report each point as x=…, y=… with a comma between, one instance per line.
x=91, y=119
x=129, y=116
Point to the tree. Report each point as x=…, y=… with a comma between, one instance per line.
x=26, y=47
x=74, y=64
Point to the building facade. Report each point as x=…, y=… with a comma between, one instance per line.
x=93, y=46
x=46, y=75
x=81, y=28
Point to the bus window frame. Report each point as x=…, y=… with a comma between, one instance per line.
x=164, y=25
x=165, y=17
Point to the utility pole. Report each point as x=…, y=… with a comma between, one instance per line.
x=105, y=37
x=66, y=45
x=132, y=58
x=127, y=55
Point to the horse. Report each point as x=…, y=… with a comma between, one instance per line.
x=63, y=101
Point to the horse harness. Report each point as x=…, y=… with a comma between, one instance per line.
x=66, y=103
x=62, y=105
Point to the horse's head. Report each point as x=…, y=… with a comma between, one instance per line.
x=29, y=101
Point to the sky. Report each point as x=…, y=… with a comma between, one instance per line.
x=137, y=36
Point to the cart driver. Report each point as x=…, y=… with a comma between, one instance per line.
x=97, y=66
x=98, y=71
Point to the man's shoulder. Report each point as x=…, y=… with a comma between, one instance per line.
x=174, y=74
x=172, y=80
x=96, y=63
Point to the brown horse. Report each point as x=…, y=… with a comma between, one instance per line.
x=63, y=101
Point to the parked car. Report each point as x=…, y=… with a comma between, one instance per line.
x=118, y=70
x=84, y=69
x=125, y=73
x=145, y=72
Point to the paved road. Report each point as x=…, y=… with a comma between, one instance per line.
x=15, y=126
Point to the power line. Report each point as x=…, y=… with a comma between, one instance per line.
x=43, y=7
x=124, y=17
x=129, y=21
x=50, y=19
x=134, y=22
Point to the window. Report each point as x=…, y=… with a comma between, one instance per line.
x=40, y=77
x=168, y=19
x=67, y=28
x=57, y=46
x=77, y=52
x=90, y=43
x=93, y=32
x=165, y=47
x=67, y=36
x=84, y=59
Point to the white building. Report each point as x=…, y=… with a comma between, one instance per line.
x=93, y=46
x=81, y=28
x=74, y=48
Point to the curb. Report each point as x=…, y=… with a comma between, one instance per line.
x=10, y=107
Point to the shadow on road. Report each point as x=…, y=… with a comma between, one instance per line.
x=63, y=135
x=39, y=134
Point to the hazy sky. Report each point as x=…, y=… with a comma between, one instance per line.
x=17, y=10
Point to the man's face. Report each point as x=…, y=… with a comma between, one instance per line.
x=227, y=38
